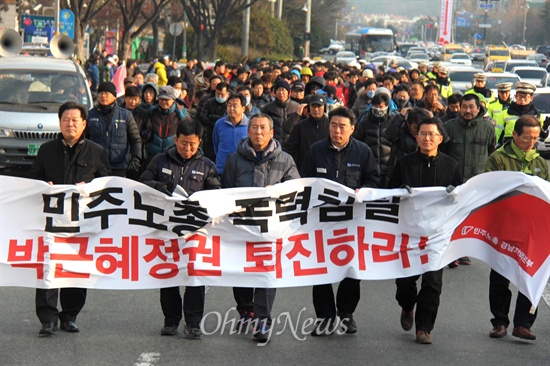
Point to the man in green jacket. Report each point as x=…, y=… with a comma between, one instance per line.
x=472, y=140
x=518, y=155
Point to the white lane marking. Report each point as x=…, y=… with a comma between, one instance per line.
x=546, y=294
x=147, y=359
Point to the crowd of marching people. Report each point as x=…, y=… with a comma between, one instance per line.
x=261, y=123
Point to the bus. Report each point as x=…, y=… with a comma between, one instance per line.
x=370, y=40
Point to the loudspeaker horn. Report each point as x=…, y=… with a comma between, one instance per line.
x=10, y=43
x=61, y=46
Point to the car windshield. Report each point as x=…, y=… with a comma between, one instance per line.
x=499, y=53
x=542, y=102
x=462, y=76
x=40, y=87
x=345, y=54
x=460, y=57
x=511, y=65
x=492, y=81
x=531, y=74
x=420, y=56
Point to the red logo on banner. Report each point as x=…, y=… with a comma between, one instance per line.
x=517, y=225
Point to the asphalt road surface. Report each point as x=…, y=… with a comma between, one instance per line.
x=123, y=328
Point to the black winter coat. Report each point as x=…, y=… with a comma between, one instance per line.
x=353, y=166
x=305, y=133
x=55, y=164
x=168, y=169
x=419, y=170
x=371, y=131
x=283, y=114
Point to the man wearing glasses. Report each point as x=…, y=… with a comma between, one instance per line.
x=522, y=106
x=519, y=155
x=426, y=167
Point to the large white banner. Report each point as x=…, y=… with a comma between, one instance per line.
x=114, y=233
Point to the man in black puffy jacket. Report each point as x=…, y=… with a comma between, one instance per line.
x=283, y=111
x=349, y=162
x=182, y=164
x=426, y=167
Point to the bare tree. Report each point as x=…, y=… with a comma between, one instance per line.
x=208, y=18
x=137, y=16
x=84, y=11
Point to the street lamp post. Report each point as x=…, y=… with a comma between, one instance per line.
x=526, y=8
x=308, y=28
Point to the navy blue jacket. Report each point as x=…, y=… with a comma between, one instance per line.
x=353, y=166
x=119, y=136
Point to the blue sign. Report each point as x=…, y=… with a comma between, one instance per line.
x=486, y=6
x=464, y=22
x=66, y=23
x=478, y=36
x=38, y=29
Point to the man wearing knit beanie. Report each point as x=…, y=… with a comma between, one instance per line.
x=284, y=111
x=116, y=130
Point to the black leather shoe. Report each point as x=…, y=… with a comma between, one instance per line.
x=498, y=332
x=324, y=327
x=407, y=319
x=524, y=333
x=169, y=330
x=48, y=328
x=69, y=326
x=348, y=323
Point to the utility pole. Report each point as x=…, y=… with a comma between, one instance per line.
x=280, y=9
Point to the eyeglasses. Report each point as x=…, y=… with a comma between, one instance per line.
x=522, y=96
x=431, y=135
x=528, y=138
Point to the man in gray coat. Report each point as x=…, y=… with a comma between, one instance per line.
x=258, y=162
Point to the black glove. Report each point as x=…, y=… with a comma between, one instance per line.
x=408, y=188
x=546, y=124
x=450, y=188
x=134, y=165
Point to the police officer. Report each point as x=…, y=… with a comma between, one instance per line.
x=502, y=102
x=523, y=105
x=480, y=87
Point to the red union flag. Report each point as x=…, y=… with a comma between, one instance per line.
x=521, y=221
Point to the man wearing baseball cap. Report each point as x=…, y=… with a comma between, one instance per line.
x=308, y=130
x=502, y=102
x=159, y=131
x=523, y=105
x=116, y=130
